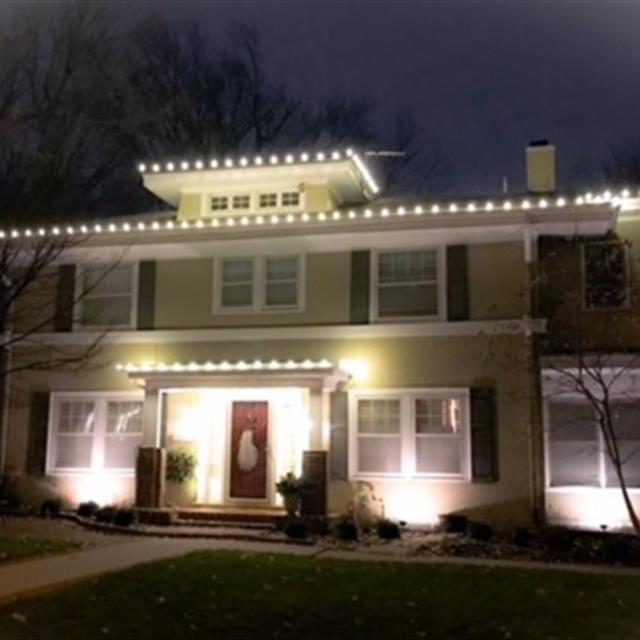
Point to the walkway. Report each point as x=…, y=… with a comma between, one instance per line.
x=34, y=576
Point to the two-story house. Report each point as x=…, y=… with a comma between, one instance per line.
x=284, y=316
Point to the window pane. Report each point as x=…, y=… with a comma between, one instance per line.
x=73, y=452
x=438, y=455
x=407, y=266
x=106, y=311
x=606, y=275
x=106, y=280
x=124, y=417
x=268, y=199
x=380, y=455
x=120, y=451
x=407, y=300
x=438, y=415
x=290, y=198
x=282, y=294
x=76, y=417
x=282, y=268
x=626, y=423
x=237, y=270
x=237, y=295
x=573, y=445
x=379, y=416
x=241, y=202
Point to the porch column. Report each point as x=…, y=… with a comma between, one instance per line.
x=317, y=415
x=150, y=423
x=151, y=461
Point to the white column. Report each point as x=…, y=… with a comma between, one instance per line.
x=317, y=415
x=150, y=418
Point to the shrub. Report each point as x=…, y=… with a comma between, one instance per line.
x=124, y=517
x=522, y=536
x=558, y=539
x=87, y=509
x=387, y=529
x=616, y=549
x=106, y=514
x=51, y=508
x=480, y=531
x=181, y=465
x=345, y=529
x=454, y=522
x=296, y=528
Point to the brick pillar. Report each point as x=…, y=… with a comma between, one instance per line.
x=150, y=481
x=314, y=472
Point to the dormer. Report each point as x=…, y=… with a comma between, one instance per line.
x=262, y=185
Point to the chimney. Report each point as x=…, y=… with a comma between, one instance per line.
x=541, y=167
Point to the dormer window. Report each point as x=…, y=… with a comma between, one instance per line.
x=290, y=199
x=219, y=203
x=241, y=202
x=268, y=200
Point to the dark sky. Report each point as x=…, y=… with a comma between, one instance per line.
x=482, y=78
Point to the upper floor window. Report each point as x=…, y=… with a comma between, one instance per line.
x=290, y=199
x=106, y=295
x=268, y=200
x=407, y=283
x=94, y=432
x=606, y=275
x=219, y=203
x=414, y=433
x=241, y=202
x=259, y=284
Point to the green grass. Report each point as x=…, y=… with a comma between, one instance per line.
x=18, y=547
x=230, y=595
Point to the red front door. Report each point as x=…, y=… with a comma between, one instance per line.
x=249, y=424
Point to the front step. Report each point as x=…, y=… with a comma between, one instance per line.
x=223, y=524
x=239, y=517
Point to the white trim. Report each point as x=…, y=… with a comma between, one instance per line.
x=100, y=400
x=305, y=333
x=80, y=296
x=407, y=396
x=441, y=284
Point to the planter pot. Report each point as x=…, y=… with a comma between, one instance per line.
x=291, y=504
x=180, y=494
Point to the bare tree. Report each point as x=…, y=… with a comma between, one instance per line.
x=622, y=167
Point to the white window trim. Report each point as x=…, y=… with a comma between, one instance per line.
x=100, y=398
x=576, y=488
x=133, y=311
x=259, y=290
x=583, y=278
x=407, y=397
x=441, y=285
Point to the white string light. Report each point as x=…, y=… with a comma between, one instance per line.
x=225, y=366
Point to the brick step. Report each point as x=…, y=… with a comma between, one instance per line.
x=237, y=516
x=223, y=524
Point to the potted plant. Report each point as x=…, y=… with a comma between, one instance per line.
x=180, y=475
x=290, y=487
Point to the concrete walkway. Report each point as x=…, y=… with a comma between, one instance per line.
x=30, y=577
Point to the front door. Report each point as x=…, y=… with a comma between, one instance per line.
x=249, y=425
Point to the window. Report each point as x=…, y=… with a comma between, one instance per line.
x=262, y=284
x=606, y=275
x=94, y=432
x=407, y=284
x=107, y=295
x=268, y=200
x=219, y=203
x=411, y=434
x=290, y=199
x=241, y=202
x=281, y=282
x=237, y=282
x=576, y=450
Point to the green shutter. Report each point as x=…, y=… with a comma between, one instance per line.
x=146, y=294
x=37, y=436
x=484, y=435
x=65, y=297
x=339, y=447
x=457, y=283
x=360, y=276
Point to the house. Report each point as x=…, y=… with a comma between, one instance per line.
x=286, y=316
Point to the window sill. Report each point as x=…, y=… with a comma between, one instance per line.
x=380, y=477
x=80, y=473
x=583, y=489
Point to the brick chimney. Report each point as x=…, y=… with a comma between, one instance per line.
x=541, y=167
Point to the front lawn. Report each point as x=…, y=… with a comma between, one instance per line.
x=18, y=547
x=240, y=596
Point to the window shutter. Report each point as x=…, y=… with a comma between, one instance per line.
x=146, y=294
x=65, y=297
x=37, y=437
x=484, y=435
x=360, y=277
x=339, y=448
x=457, y=283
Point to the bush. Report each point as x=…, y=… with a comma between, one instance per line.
x=181, y=465
x=51, y=508
x=616, y=549
x=124, y=517
x=480, y=531
x=387, y=529
x=106, y=514
x=87, y=509
x=558, y=539
x=296, y=528
x=522, y=536
x=345, y=529
x=454, y=522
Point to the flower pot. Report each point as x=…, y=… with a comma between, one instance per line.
x=291, y=504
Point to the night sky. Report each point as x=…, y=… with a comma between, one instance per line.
x=482, y=78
